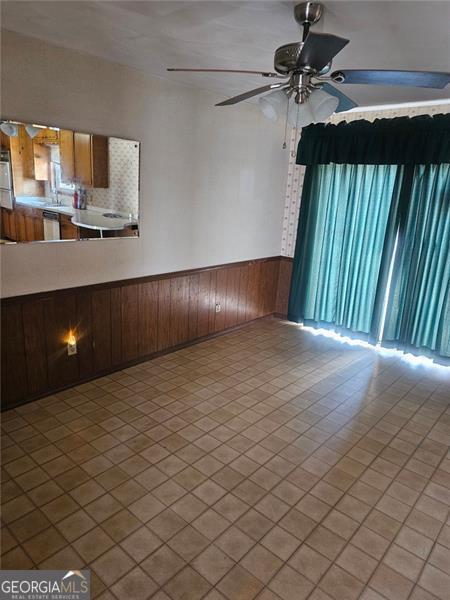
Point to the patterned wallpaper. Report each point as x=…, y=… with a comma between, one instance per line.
x=122, y=195
x=296, y=173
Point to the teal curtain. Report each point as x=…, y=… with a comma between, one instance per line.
x=421, y=140
x=343, y=222
x=418, y=313
x=372, y=255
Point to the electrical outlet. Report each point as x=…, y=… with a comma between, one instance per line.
x=71, y=349
x=218, y=308
x=71, y=345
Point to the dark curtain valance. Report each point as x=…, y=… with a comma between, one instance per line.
x=420, y=140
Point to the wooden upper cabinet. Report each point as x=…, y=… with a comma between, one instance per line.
x=66, y=155
x=22, y=152
x=83, y=158
x=22, y=165
x=47, y=136
x=100, y=161
x=41, y=162
x=91, y=160
x=4, y=141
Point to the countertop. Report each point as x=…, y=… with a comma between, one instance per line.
x=91, y=218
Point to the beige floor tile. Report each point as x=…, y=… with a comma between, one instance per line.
x=231, y=507
x=254, y=524
x=163, y=564
x=102, y=508
x=187, y=585
x=211, y=524
x=189, y=507
x=403, y=562
x=340, y=584
x=357, y=562
x=212, y=564
x=261, y=563
x=44, y=544
x=435, y=581
x=136, y=584
x=121, y=525
x=92, y=544
x=371, y=542
x=16, y=559
x=188, y=543
x=29, y=525
x=318, y=467
x=391, y=584
x=239, y=584
x=297, y=524
x=146, y=507
x=280, y=542
x=166, y=524
x=309, y=563
x=440, y=558
x=289, y=584
x=235, y=543
x=75, y=525
x=112, y=565
x=209, y=492
x=141, y=543
x=325, y=542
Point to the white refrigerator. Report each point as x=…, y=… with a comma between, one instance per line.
x=6, y=186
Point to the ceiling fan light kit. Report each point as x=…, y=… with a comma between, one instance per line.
x=304, y=68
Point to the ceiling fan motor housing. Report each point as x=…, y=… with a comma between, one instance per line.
x=286, y=57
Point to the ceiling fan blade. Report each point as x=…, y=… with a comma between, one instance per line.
x=251, y=93
x=426, y=79
x=345, y=103
x=319, y=49
x=262, y=73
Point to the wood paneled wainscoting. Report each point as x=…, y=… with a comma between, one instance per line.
x=120, y=323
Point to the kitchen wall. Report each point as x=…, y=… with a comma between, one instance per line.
x=122, y=193
x=296, y=172
x=212, y=179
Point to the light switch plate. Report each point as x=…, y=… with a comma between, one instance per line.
x=218, y=308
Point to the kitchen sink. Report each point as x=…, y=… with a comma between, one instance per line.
x=113, y=215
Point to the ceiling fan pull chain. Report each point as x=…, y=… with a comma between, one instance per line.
x=297, y=137
x=286, y=123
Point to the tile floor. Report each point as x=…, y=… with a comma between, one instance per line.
x=268, y=463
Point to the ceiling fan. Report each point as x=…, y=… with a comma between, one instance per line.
x=305, y=66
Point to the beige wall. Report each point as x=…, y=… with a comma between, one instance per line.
x=212, y=179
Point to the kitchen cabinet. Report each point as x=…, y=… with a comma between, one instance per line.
x=68, y=230
x=23, y=224
x=46, y=136
x=8, y=225
x=26, y=152
x=4, y=141
x=86, y=233
x=38, y=225
x=66, y=156
x=29, y=224
x=21, y=229
x=41, y=162
x=82, y=155
x=91, y=163
x=100, y=162
x=22, y=165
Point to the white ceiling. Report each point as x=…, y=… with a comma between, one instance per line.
x=151, y=36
